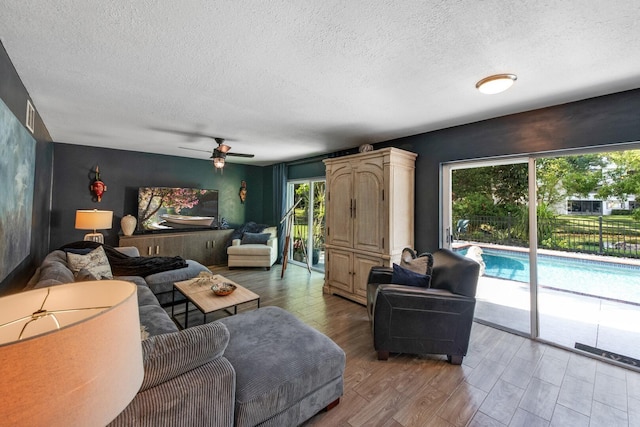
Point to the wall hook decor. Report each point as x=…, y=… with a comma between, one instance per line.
x=243, y=192
x=97, y=186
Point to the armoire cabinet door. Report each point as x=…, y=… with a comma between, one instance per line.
x=339, y=206
x=361, y=267
x=340, y=270
x=368, y=224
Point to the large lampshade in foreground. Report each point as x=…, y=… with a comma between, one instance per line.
x=70, y=354
x=93, y=220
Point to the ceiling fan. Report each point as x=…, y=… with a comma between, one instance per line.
x=220, y=153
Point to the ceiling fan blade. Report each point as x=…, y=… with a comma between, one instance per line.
x=249, y=156
x=195, y=149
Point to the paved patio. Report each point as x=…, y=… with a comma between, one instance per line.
x=565, y=318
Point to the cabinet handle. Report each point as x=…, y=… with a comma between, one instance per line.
x=157, y=250
x=351, y=208
x=354, y=208
x=149, y=250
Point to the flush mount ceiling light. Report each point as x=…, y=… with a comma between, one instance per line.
x=496, y=83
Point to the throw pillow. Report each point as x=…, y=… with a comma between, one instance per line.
x=95, y=262
x=85, y=275
x=403, y=276
x=255, y=238
x=422, y=263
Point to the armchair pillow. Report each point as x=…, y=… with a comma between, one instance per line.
x=422, y=263
x=255, y=238
x=403, y=276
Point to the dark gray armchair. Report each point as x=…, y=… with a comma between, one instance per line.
x=435, y=320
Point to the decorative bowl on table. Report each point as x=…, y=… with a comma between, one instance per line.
x=223, y=288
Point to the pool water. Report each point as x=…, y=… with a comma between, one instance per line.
x=614, y=281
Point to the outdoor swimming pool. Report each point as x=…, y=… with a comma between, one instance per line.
x=608, y=280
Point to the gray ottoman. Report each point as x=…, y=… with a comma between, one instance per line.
x=286, y=371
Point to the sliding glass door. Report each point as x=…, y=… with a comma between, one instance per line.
x=589, y=258
x=576, y=280
x=486, y=219
x=308, y=231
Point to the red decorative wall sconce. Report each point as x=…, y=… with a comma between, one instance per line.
x=98, y=187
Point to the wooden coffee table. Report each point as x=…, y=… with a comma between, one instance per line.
x=198, y=292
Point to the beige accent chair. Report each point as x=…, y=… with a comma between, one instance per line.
x=254, y=255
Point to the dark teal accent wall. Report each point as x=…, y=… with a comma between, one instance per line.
x=600, y=121
x=124, y=171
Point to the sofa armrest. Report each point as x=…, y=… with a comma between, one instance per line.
x=377, y=276
x=273, y=243
x=204, y=396
x=236, y=242
x=167, y=356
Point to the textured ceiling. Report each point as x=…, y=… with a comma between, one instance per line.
x=286, y=80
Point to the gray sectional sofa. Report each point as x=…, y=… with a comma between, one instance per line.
x=262, y=367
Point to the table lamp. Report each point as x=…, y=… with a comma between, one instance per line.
x=70, y=355
x=93, y=220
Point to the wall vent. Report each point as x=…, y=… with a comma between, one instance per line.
x=31, y=117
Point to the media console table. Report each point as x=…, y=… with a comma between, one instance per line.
x=208, y=247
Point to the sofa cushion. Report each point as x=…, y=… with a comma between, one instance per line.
x=169, y=355
x=95, y=263
x=53, y=271
x=86, y=274
x=255, y=238
x=271, y=230
x=162, y=283
x=156, y=320
x=146, y=297
x=403, y=276
x=279, y=361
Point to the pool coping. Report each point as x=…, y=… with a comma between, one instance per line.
x=549, y=252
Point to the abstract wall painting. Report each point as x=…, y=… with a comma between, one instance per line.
x=17, y=171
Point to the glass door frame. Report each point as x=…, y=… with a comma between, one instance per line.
x=446, y=220
x=310, y=217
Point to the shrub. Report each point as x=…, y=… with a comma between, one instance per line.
x=622, y=212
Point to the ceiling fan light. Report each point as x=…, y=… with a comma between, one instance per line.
x=223, y=148
x=218, y=162
x=496, y=83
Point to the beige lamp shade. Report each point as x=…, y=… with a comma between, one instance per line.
x=94, y=220
x=70, y=355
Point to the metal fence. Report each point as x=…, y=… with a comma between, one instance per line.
x=596, y=236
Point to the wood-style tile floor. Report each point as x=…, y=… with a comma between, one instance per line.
x=505, y=379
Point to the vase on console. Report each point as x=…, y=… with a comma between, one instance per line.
x=128, y=224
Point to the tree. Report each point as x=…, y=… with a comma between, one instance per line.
x=560, y=177
x=489, y=190
x=621, y=178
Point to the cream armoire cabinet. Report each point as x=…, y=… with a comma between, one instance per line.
x=369, y=217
